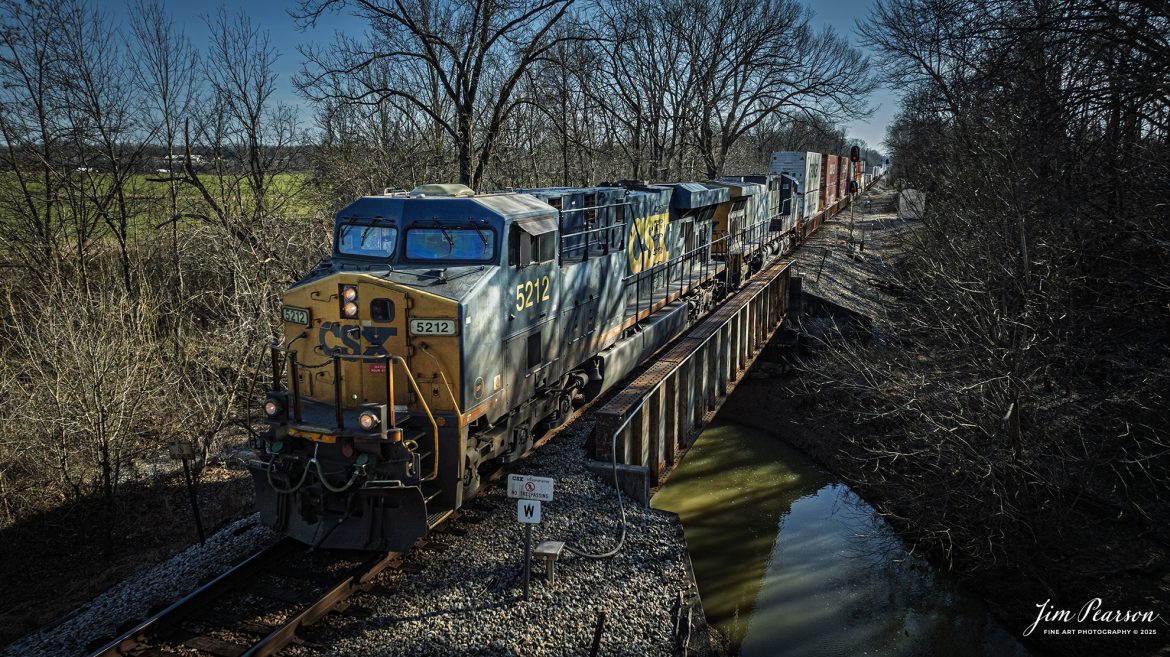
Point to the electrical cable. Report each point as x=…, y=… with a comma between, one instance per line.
x=325, y=482
x=296, y=486
x=621, y=506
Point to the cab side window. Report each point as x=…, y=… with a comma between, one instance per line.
x=520, y=248
x=525, y=249
x=546, y=247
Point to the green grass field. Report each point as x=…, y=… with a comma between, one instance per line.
x=81, y=197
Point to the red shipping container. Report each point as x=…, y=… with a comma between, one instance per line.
x=830, y=180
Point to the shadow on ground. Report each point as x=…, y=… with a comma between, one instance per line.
x=57, y=560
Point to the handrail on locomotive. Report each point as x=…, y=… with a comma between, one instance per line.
x=335, y=358
x=701, y=253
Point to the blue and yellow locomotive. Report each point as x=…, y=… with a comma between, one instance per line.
x=449, y=329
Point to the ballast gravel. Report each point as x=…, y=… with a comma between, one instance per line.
x=461, y=594
x=136, y=597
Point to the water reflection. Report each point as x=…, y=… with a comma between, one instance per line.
x=791, y=562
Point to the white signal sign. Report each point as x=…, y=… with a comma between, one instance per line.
x=528, y=511
x=530, y=488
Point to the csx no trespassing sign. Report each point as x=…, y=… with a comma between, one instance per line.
x=524, y=487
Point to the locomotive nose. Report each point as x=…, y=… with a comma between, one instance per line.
x=364, y=449
x=352, y=326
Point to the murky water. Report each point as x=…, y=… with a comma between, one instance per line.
x=791, y=562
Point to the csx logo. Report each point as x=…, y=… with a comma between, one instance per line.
x=348, y=339
x=648, y=242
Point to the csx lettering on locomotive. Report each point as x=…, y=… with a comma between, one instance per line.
x=347, y=339
x=648, y=246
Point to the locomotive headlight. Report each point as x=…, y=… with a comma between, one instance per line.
x=273, y=407
x=348, y=301
x=368, y=421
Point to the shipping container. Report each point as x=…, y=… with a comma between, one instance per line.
x=789, y=203
x=842, y=177
x=857, y=173
x=805, y=168
x=830, y=180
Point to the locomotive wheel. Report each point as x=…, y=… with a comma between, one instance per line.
x=564, y=410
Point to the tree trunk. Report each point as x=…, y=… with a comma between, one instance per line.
x=465, y=147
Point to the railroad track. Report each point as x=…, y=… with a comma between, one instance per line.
x=257, y=607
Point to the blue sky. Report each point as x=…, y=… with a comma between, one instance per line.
x=273, y=16
x=842, y=16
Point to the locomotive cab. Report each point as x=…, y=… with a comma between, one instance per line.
x=365, y=444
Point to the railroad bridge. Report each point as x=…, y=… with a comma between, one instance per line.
x=664, y=408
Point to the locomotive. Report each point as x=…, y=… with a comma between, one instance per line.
x=449, y=329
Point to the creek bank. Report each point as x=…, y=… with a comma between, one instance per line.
x=1090, y=553
x=791, y=563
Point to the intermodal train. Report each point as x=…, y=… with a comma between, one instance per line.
x=449, y=329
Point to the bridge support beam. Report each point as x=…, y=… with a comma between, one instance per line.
x=670, y=408
x=664, y=408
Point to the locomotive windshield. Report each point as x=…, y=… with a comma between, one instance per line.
x=451, y=244
x=366, y=240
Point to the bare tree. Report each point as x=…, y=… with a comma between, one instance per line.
x=1029, y=374
x=166, y=70
x=761, y=63
x=105, y=112
x=250, y=140
x=35, y=232
x=470, y=54
x=644, y=81
x=93, y=393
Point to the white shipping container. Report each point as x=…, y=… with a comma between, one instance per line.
x=805, y=167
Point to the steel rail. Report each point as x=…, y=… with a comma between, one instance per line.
x=155, y=629
x=222, y=584
x=356, y=581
